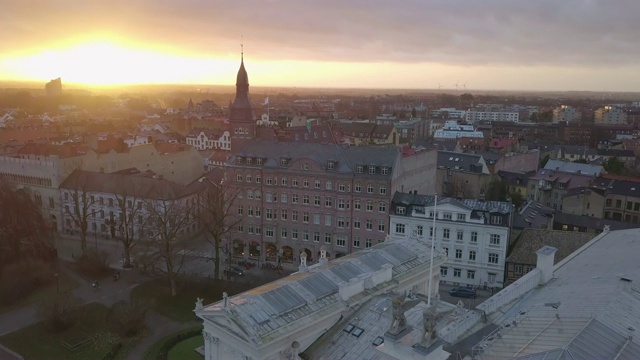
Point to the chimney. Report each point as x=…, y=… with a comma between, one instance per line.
x=545, y=263
x=303, y=262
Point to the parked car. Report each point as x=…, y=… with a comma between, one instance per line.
x=464, y=292
x=234, y=271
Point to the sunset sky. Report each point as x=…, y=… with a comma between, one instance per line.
x=418, y=44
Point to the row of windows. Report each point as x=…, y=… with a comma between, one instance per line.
x=494, y=239
x=634, y=206
x=100, y=200
x=492, y=258
x=495, y=220
x=305, y=235
x=517, y=269
x=330, y=165
x=328, y=185
x=342, y=204
x=444, y=271
x=315, y=218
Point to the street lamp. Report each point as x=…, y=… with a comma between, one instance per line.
x=57, y=283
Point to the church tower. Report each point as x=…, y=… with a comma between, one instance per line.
x=241, y=116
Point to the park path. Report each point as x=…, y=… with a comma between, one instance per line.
x=109, y=293
x=160, y=327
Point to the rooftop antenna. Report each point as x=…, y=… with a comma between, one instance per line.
x=433, y=245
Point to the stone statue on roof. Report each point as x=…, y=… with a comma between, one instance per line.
x=429, y=321
x=225, y=300
x=399, y=322
x=400, y=306
x=199, y=304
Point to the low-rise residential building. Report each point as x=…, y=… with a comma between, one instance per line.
x=473, y=234
x=365, y=133
x=113, y=203
x=584, y=200
x=522, y=258
x=452, y=130
x=41, y=168
x=608, y=197
x=516, y=181
x=209, y=139
x=622, y=198
x=588, y=224
x=574, y=168
x=461, y=175
x=550, y=186
x=576, y=152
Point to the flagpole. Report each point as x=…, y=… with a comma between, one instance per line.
x=433, y=245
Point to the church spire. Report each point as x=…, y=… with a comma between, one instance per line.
x=241, y=110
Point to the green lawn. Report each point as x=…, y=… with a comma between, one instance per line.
x=65, y=283
x=180, y=307
x=90, y=324
x=185, y=350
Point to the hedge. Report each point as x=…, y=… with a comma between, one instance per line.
x=170, y=341
x=113, y=352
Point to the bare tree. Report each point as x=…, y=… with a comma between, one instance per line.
x=129, y=225
x=81, y=203
x=23, y=231
x=218, y=217
x=169, y=220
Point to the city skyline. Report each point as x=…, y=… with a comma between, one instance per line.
x=495, y=45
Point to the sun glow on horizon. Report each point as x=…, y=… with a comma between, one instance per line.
x=105, y=63
x=98, y=62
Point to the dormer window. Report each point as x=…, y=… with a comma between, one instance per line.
x=284, y=161
x=331, y=165
x=372, y=169
x=400, y=210
x=259, y=161
x=239, y=160
x=249, y=161
x=305, y=166
x=360, y=169
x=384, y=170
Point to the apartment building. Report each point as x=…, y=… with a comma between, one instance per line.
x=298, y=197
x=565, y=114
x=473, y=116
x=610, y=115
x=473, y=234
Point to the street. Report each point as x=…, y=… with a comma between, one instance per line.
x=468, y=303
